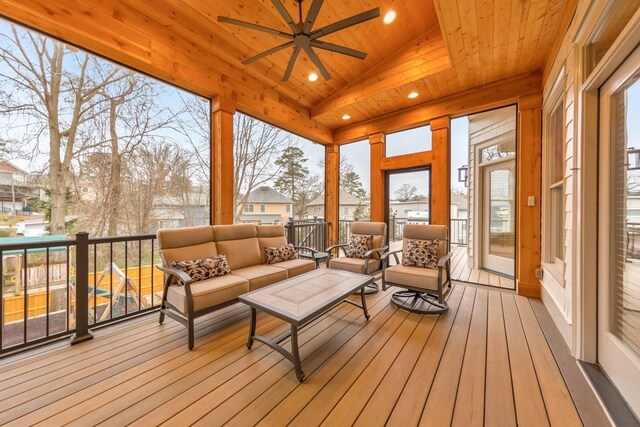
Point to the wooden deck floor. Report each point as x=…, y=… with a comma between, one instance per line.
x=485, y=361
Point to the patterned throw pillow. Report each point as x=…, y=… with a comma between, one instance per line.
x=421, y=253
x=275, y=254
x=202, y=269
x=359, y=245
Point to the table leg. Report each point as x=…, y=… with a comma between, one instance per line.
x=295, y=353
x=364, y=303
x=252, y=328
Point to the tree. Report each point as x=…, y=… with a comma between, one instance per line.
x=292, y=172
x=406, y=192
x=308, y=189
x=350, y=182
x=55, y=90
x=255, y=152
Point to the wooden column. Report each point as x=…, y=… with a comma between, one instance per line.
x=529, y=172
x=441, y=171
x=378, y=191
x=332, y=192
x=222, y=206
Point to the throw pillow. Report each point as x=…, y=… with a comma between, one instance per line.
x=421, y=253
x=359, y=244
x=275, y=254
x=202, y=269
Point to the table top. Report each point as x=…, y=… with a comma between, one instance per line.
x=301, y=298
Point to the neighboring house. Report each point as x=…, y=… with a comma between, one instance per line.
x=349, y=206
x=265, y=205
x=403, y=209
x=15, y=186
x=180, y=211
x=35, y=226
x=459, y=206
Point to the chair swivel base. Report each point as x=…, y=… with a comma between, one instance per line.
x=418, y=302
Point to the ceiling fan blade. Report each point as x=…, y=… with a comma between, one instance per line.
x=338, y=49
x=314, y=58
x=267, y=52
x=312, y=15
x=347, y=22
x=292, y=62
x=254, y=26
x=285, y=15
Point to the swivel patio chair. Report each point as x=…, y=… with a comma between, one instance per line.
x=425, y=270
x=366, y=263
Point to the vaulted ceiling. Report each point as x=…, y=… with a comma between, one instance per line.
x=435, y=47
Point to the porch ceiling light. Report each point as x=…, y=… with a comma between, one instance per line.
x=313, y=77
x=389, y=17
x=413, y=95
x=346, y=117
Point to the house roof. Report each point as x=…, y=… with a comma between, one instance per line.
x=262, y=218
x=266, y=194
x=459, y=200
x=6, y=166
x=346, y=199
x=190, y=199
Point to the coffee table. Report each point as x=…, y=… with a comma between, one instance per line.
x=300, y=300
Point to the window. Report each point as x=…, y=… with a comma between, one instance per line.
x=345, y=212
x=355, y=168
x=555, y=152
x=248, y=208
x=408, y=141
x=287, y=208
x=263, y=208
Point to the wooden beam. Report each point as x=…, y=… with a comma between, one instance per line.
x=440, y=171
x=377, y=181
x=529, y=172
x=423, y=158
x=493, y=95
x=332, y=192
x=422, y=57
x=222, y=174
x=164, y=55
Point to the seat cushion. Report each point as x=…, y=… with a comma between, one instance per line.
x=208, y=293
x=261, y=275
x=415, y=277
x=296, y=266
x=355, y=265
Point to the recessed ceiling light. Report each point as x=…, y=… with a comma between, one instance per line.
x=313, y=77
x=346, y=117
x=389, y=17
x=413, y=95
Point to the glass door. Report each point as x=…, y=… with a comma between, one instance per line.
x=498, y=217
x=408, y=201
x=619, y=230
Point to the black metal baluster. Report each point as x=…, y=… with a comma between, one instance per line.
x=126, y=277
x=1, y=298
x=153, y=248
x=110, y=280
x=68, y=302
x=95, y=283
x=140, y=274
x=47, y=284
x=25, y=289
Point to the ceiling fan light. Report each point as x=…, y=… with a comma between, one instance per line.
x=413, y=95
x=389, y=17
x=346, y=117
x=313, y=77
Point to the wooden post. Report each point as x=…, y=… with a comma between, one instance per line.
x=440, y=171
x=222, y=186
x=378, y=191
x=332, y=192
x=529, y=172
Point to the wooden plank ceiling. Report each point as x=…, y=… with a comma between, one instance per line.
x=434, y=47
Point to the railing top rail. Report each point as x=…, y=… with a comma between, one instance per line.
x=117, y=239
x=36, y=245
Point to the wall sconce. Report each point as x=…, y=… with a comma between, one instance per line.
x=463, y=174
x=633, y=159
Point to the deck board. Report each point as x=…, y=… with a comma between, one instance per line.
x=485, y=361
x=461, y=271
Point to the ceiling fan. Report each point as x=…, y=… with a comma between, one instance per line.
x=302, y=36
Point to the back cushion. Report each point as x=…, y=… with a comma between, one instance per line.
x=241, y=253
x=203, y=250
x=266, y=242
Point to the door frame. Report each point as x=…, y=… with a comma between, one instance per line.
x=387, y=205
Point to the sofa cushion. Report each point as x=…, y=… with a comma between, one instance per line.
x=355, y=265
x=295, y=267
x=275, y=254
x=184, y=236
x=234, y=232
x=421, y=253
x=359, y=244
x=261, y=275
x=202, y=269
x=208, y=293
x=202, y=250
x=240, y=253
x=270, y=242
x=414, y=277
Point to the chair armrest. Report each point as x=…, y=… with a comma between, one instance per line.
x=175, y=272
x=343, y=246
x=306, y=248
x=374, y=250
x=385, y=257
x=442, y=262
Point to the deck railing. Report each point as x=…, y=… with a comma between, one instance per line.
x=308, y=232
x=458, y=235
x=56, y=288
